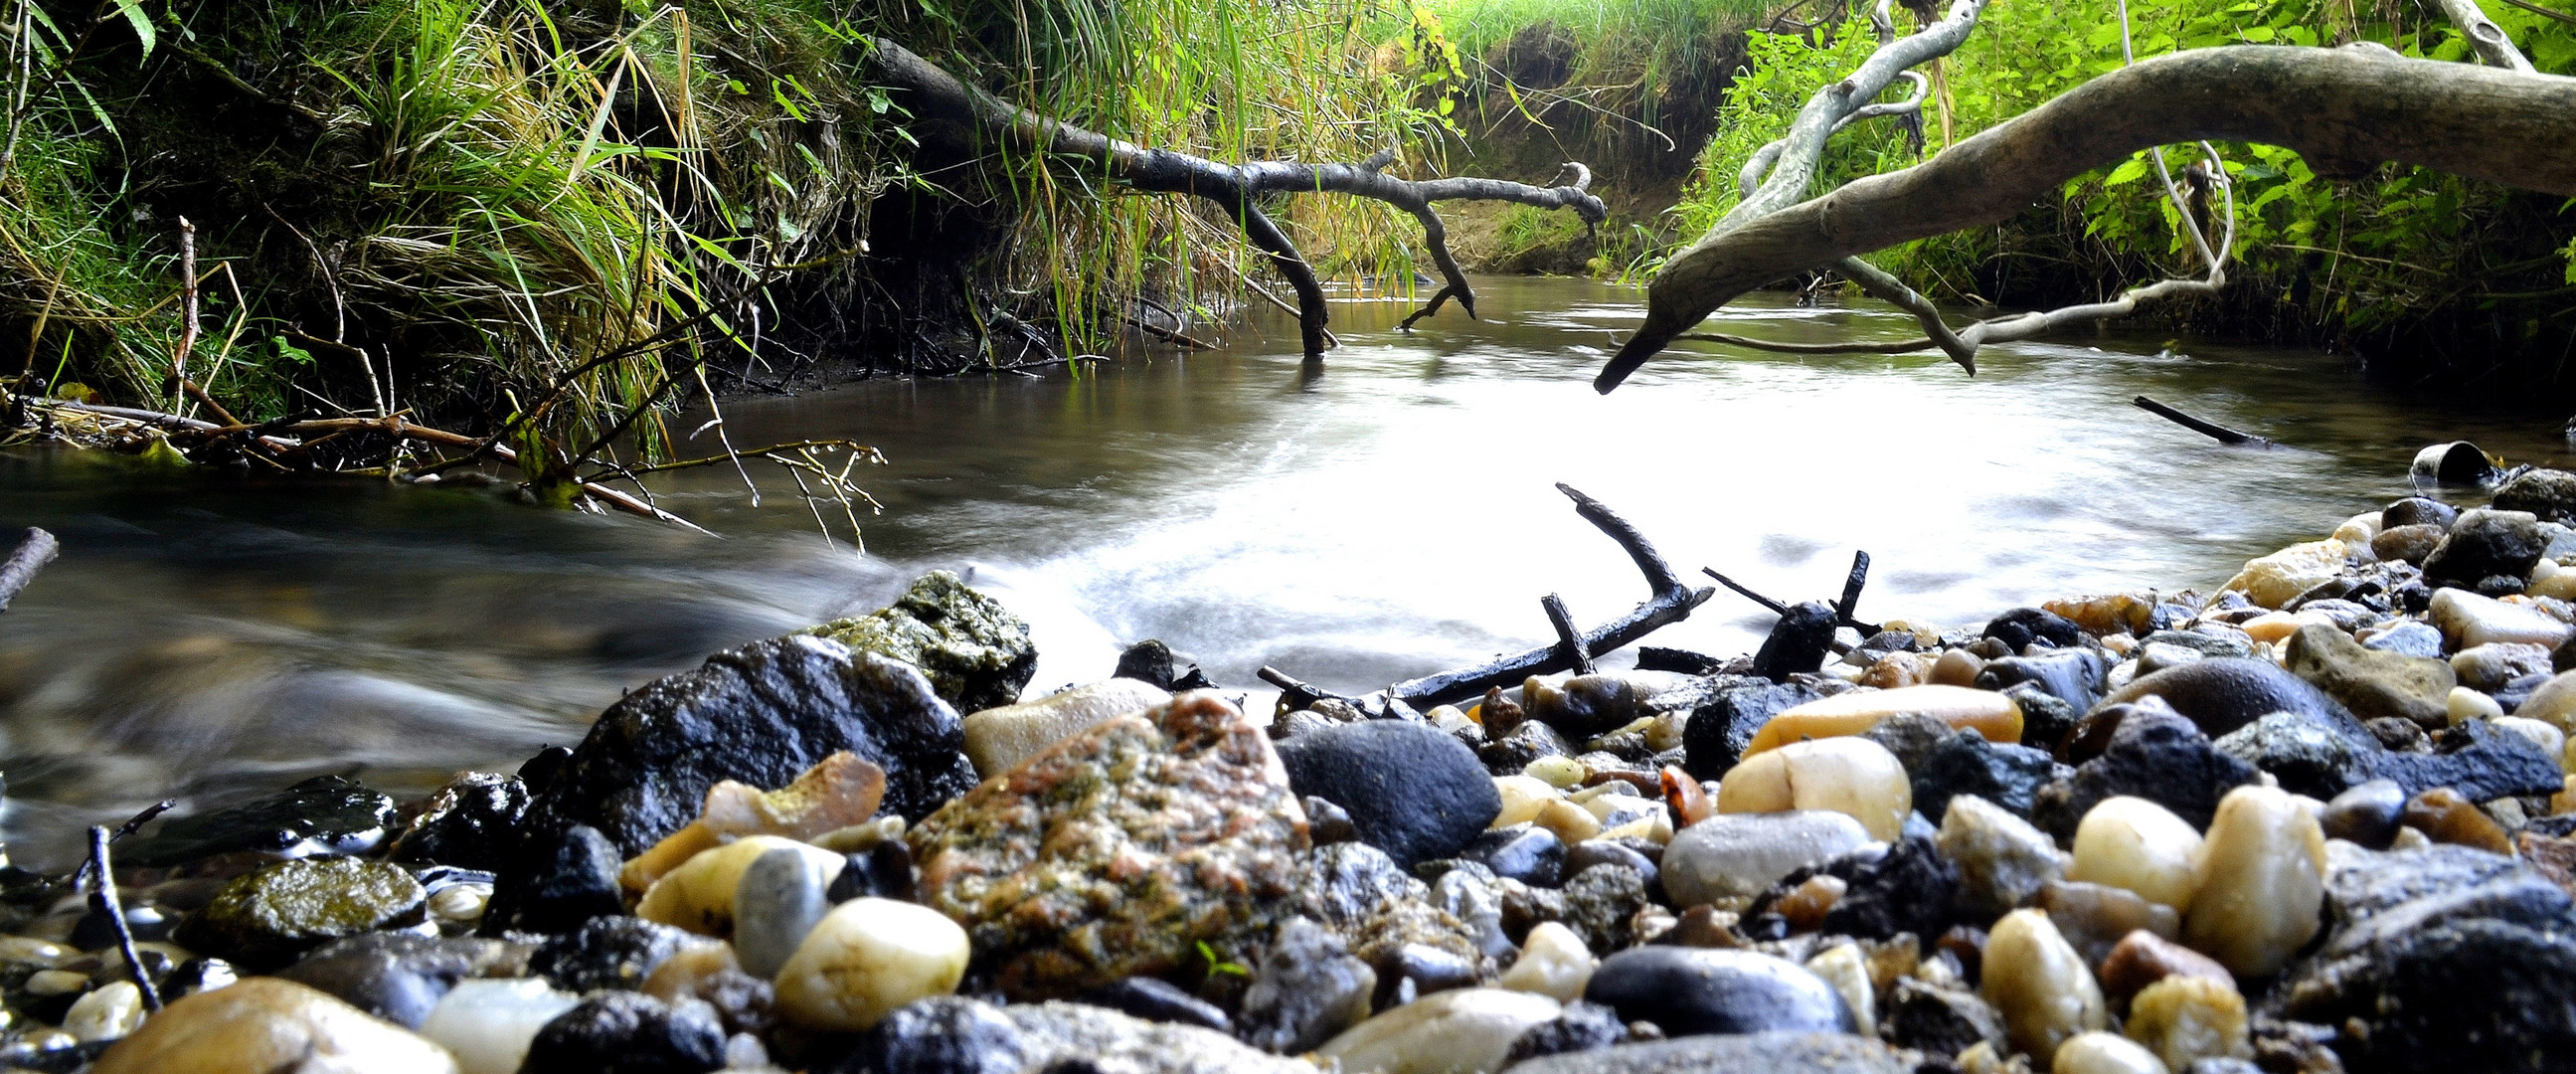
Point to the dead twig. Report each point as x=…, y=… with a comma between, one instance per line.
x=34, y=551
x=2210, y=429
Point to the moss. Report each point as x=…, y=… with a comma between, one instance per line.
x=976, y=654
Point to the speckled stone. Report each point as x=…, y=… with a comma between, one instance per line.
x=1120, y=850
x=265, y=919
x=976, y=654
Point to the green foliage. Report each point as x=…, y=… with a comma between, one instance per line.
x=2359, y=259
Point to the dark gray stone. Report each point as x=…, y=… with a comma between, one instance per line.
x=1411, y=790
x=1156, y=1000
x=2221, y=694
x=561, y=885
x=2481, y=995
x=2204, y=644
x=1591, y=852
x=2306, y=756
x=1800, y=641
x=1600, y=904
x=953, y=1035
x=1523, y=852
x=2154, y=755
x=1719, y=729
x=606, y=952
x=1582, y=1027
x=2475, y=759
x=1306, y=988
x=2485, y=543
x=1148, y=661
x=399, y=976
x=1691, y=990
x=2366, y=814
x=1910, y=888
x=2409, y=638
x=629, y=1033
x=2549, y=495
x=1963, y=762
x=322, y=815
x=2021, y=626
x=2071, y=675
x=1939, y=1021
x=1754, y=1053
x=472, y=822
x=1345, y=883
x=2417, y=511
x=1525, y=742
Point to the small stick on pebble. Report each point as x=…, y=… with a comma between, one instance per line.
x=102, y=898
x=1569, y=638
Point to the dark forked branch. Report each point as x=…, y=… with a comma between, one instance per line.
x=959, y=118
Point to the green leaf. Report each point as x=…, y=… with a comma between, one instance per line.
x=2130, y=172
x=134, y=13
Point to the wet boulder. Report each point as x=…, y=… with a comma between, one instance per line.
x=1410, y=789
x=264, y=919
x=2371, y=683
x=2549, y=495
x=1800, y=641
x=2221, y=694
x=323, y=815
x=2154, y=755
x=471, y=823
x=976, y=654
x=1719, y=729
x=2485, y=543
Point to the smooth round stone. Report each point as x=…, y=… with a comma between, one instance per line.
x=488, y=1023
x=2276, y=627
x=2185, y=1018
x=1852, y=776
x=1591, y=852
x=2368, y=814
x=2547, y=736
x=1570, y=823
x=1984, y=711
x=113, y=1011
x=2468, y=620
x=2039, y=984
x=2487, y=667
x=615, y=1032
x=867, y=957
x=2221, y=694
x=2274, y=580
x=2554, y=703
x=2259, y=882
x=266, y=1024
x=1738, y=856
x=1553, y=963
x=2133, y=843
x=998, y=739
x=264, y=919
x=1844, y=969
x=777, y=901
x=2094, y=917
x=1691, y=990
x=1530, y=854
x=1957, y=667
x=1460, y=1031
x=698, y=896
x=1558, y=772
x=2143, y=958
x=2001, y=858
x=2448, y=818
x=2464, y=705
x=1412, y=790
x=1523, y=796
x=2104, y=1053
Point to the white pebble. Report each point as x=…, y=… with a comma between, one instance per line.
x=1852, y=776
x=1846, y=970
x=998, y=739
x=698, y=896
x=56, y=982
x=488, y=1023
x=460, y=903
x=2038, y=982
x=1556, y=771
x=2184, y=1018
x=866, y=958
x=107, y=1014
x=2549, y=738
x=1571, y=823
x=2134, y=843
x=1553, y=963
x=2104, y=1053
x=2471, y=620
x=1460, y=1031
x=1523, y=797
x=2466, y=704
x=2261, y=880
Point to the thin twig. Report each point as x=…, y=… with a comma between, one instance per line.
x=102, y=899
x=34, y=550
x=1569, y=639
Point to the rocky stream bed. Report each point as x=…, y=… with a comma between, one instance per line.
x=2316, y=821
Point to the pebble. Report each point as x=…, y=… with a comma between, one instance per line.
x=2465, y=704
x=867, y=957
x=1957, y=667
x=2372, y=683
x=616, y=1032
x=1691, y=990
x=262, y=920
x=2258, y=884
x=1461, y=1031
x=2367, y=815
x=998, y=739
x=2098, y=1052
x=2445, y=817
x=2143, y=958
x=2406, y=637
x=775, y=903
x=322, y=815
x=489, y=1023
x=2133, y=843
x=1843, y=967
x=1752, y=1053
x=699, y=895
x=1570, y=823
x=2467, y=620
x=1524, y=795
x=1986, y=712
x=839, y=792
x=2547, y=736
x=2275, y=579
x=2553, y=703
x=1558, y=772
x=2223, y=693
x=1852, y=776
x=2189, y=1017
x=265, y=1024
x=467, y=823
x=1964, y=762
x=2408, y=544
x=1306, y=988
x=2487, y=667
x=1733, y=857
x=609, y=952
x=2483, y=543
x=2001, y=858
x=400, y=976
x=56, y=983
x=1412, y=790
x=2038, y=983
x=1553, y=963
x=1530, y=853
x=113, y=1011
x=2095, y=917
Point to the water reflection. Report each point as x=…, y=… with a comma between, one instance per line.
x=210, y=636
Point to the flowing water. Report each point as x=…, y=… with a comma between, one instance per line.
x=209, y=636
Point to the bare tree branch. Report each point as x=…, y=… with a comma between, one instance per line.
x=2493, y=45
x=2345, y=110
x=960, y=118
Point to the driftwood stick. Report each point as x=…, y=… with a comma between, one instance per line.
x=1569, y=638
x=2210, y=429
x=1741, y=590
x=102, y=898
x=1296, y=693
x=188, y=303
x=1850, y=603
x=1671, y=602
x=34, y=550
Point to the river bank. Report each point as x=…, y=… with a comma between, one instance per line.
x=2296, y=824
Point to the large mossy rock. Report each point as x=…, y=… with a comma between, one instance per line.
x=976, y=654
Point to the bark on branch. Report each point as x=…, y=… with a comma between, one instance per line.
x=2345, y=110
x=959, y=118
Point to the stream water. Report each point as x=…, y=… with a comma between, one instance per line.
x=211, y=637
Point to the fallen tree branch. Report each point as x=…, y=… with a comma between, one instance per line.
x=1671, y=602
x=1569, y=638
x=34, y=551
x=963, y=119
x=2210, y=429
x=2494, y=47
x=2344, y=109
